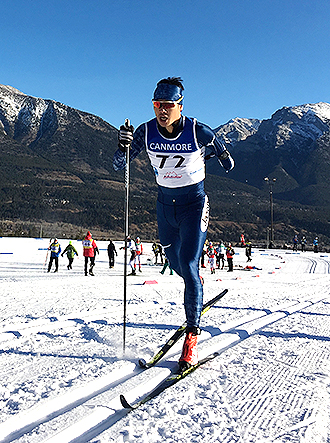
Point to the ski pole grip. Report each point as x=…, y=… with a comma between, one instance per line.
x=127, y=123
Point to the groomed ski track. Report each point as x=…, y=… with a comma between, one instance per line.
x=134, y=383
x=269, y=384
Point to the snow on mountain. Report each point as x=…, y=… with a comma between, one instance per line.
x=22, y=115
x=307, y=122
x=237, y=129
x=27, y=119
x=321, y=110
x=295, y=127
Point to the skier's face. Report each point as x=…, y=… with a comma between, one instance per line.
x=167, y=116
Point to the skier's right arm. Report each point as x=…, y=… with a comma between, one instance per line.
x=137, y=145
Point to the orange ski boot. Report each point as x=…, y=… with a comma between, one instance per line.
x=189, y=355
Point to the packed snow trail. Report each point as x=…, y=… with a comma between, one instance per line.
x=91, y=426
x=60, y=341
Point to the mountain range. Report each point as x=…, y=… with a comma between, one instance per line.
x=57, y=172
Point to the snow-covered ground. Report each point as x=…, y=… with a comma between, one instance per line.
x=63, y=368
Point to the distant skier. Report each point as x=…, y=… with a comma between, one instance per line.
x=220, y=255
x=303, y=243
x=55, y=250
x=158, y=250
x=203, y=255
x=211, y=253
x=138, y=253
x=166, y=264
x=177, y=147
x=242, y=241
x=89, y=250
x=248, y=250
x=70, y=252
x=111, y=254
x=316, y=244
x=230, y=256
x=295, y=242
x=132, y=249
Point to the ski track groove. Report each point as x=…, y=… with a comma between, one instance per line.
x=257, y=414
x=103, y=418
x=12, y=334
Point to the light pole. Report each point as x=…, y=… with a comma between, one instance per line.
x=271, y=182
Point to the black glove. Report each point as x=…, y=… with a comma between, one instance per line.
x=125, y=137
x=224, y=155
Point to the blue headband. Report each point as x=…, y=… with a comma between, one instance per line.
x=167, y=92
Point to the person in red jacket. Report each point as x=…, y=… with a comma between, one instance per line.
x=89, y=251
x=230, y=255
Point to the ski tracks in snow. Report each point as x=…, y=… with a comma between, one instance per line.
x=291, y=386
x=95, y=407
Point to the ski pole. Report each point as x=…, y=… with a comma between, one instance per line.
x=127, y=125
x=46, y=259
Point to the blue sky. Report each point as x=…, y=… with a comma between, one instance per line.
x=238, y=58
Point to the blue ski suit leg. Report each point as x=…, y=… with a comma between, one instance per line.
x=182, y=224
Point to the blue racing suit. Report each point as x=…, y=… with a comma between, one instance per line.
x=178, y=160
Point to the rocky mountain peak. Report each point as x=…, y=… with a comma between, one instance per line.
x=57, y=130
x=293, y=128
x=237, y=129
x=9, y=90
x=297, y=128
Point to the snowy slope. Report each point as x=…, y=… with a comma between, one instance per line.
x=291, y=127
x=237, y=129
x=304, y=122
x=63, y=366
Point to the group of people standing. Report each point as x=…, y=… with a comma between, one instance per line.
x=216, y=256
x=135, y=247
x=90, y=250
x=303, y=243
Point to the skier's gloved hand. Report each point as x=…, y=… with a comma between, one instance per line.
x=125, y=137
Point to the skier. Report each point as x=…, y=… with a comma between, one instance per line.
x=230, y=255
x=303, y=242
x=203, y=255
x=70, y=251
x=295, y=242
x=157, y=250
x=242, y=241
x=220, y=255
x=177, y=147
x=166, y=264
x=111, y=254
x=89, y=251
x=131, y=247
x=55, y=250
x=248, y=250
x=138, y=253
x=211, y=253
x=316, y=244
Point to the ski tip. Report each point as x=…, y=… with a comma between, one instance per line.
x=143, y=363
x=124, y=402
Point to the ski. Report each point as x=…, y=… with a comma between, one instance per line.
x=169, y=381
x=178, y=334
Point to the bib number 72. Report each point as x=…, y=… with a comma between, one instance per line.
x=164, y=159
